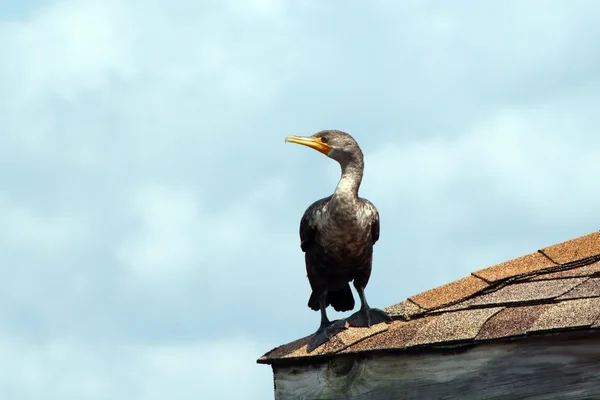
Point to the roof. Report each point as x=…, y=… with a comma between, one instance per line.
x=552, y=290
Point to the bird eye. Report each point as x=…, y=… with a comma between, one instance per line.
x=324, y=140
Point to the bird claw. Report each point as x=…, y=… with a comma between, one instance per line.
x=368, y=317
x=324, y=333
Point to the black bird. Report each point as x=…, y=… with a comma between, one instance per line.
x=337, y=234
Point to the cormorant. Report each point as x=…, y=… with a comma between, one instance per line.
x=337, y=234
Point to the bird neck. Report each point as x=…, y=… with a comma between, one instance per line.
x=349, y=183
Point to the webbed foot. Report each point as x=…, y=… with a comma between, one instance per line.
x=324, y=333
x=367, y=317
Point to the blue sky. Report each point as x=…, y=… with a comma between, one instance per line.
x=150, y=207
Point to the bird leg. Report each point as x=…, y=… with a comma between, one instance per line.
x=327, y=329
x=367, y=316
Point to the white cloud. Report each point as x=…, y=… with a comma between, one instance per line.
x=511, y=157
x=31, y=231
x=260, y=9
x=203, y=370
x=166, y=242
x=68, y=369
x=176, y=235
x=68, y=45
x=96, y=80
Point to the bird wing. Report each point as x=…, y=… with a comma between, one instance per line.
x=375, y=227
x=374, y=222
x=308, y=231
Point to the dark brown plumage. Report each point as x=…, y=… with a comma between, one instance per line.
x=337, y=234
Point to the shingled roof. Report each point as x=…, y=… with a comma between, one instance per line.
x=552, y=290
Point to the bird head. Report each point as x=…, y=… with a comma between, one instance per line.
x=337, y=145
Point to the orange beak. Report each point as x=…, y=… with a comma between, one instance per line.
x=310, y=141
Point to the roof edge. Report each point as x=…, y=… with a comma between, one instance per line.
x=453, y=346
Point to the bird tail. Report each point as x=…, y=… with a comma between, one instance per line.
x=340, y=300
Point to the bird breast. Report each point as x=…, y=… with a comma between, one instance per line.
x=344, y=229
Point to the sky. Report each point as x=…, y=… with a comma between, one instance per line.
x=149, y=207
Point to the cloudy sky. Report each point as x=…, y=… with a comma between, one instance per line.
x=149, y=207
